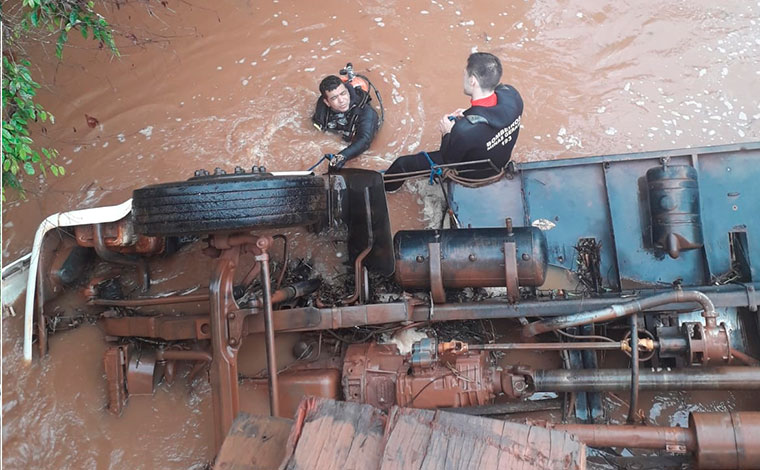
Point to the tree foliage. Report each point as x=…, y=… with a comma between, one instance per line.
x=57, y=17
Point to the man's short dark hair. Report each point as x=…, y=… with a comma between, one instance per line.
x=329, y=83
x=486, y=68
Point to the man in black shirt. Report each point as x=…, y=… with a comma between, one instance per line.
x=345, y=110
x=486, y=130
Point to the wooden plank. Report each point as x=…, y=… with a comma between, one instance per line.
x=457, y=441
x=331, y=435
x=483, y=437
x=336, y=435
x=367, y=448
x=254, y=443
x=438, y=444
x=568, y=449
x=489, y=457
x=408, y=439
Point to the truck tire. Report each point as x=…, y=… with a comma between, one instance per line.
x=226, y=203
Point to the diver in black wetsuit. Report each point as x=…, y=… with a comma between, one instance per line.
x=346, y=111
x=486, y=130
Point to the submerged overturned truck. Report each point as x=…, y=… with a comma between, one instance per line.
x=640, y=271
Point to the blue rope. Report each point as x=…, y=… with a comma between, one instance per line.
x=433, y=171
x=327, y=156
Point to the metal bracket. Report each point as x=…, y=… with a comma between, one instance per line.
x=752, y=298
x=235, y=322
x=437, y=291
x=510, y=271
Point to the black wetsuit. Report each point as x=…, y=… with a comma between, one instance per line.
x=485, y=132
x=358, y=125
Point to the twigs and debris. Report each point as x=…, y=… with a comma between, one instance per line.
x=469, y=331
x=589, y=260
x=383, y=289
x=468, y=294
x=60, y=321
x=727, y=277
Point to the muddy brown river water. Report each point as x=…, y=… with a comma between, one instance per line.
x=219, y=84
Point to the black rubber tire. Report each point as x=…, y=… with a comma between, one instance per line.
x=226, y=203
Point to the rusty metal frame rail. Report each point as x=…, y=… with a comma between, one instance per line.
x=313, y=318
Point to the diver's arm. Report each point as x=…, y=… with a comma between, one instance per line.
x=366, y=128
x=456, y=144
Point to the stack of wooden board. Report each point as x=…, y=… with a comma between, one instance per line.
x=328, y=434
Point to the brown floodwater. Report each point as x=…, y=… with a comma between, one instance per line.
x=220, y=84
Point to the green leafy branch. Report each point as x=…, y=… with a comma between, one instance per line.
x=62, y=16
x=18, y=109
x=20, y=155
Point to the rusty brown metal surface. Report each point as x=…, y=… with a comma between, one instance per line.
x=141, y=372
x=120, y=237
x=294, y=384
x=717, y=440
x=370, y=372
x=223, y=371
x=437, y=292
x=727, y=440
x=115, y=363
x=510, y=271
x=111, y=256
x=708, y=344
x=169, y=328
x=745, y=358
x=378, y=375
x=183, y=355
x=312, y=318
x=297, y=319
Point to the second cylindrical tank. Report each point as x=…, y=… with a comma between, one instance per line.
x=469, y=257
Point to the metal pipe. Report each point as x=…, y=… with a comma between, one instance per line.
x=266, y=284
x=299, y=289
x=721, y=296
x=745, y=358
x=172, y=299
x=360, y=258
x=118, y=258
x=641, y=437
x=614, y=380
x=622, y=310
x=591, y=345
x=717, y=440
x=634, y=402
